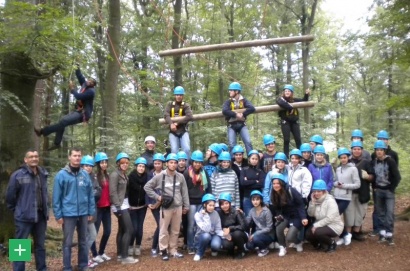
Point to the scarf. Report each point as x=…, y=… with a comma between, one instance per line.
x=198, y=178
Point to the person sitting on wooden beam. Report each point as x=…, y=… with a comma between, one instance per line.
x=178, y=134
x=236, y=121
x=82, y=113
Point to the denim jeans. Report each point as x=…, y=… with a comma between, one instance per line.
x=155, y=239
x=204, y=240
x=191, y=225
x=69, y=226
x=261, y=241
x=244, y=133
x=137, y=219
x=104, y=216
x=385, y=201
x=182, y=142
x=375, y=217
x=91, y=234
x=72, y=118
x=38, y=231
x=247, y=205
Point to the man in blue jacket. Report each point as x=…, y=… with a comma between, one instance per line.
x=27, y=197
x=82, y=113
x=73, y=206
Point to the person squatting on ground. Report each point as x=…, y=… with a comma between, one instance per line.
x=236, y=121
x=259, y=222
x=82, y=113
x=346, y=180
x=288, y=209
x=73, y=207
x=138, y=206
x=178, y=132
x=120, y=207
x=175, y=202
x=328, y=223
x=252, y=178
x=103, y=208
x=289, y=116
x=27, y=198
x=208, y=228
x=198, y=184
x=234, y=227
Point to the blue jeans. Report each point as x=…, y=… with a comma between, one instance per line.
x=261, y=241
x=91, y=234
x=58, y=128
x=247, y=205
x=182, y=142
x=375, y=217
x=137, y=219
x=342, y=205
x=385, y=201
x=155, y=239
x=104, y=216
x=191, y=225
x=244, y=133
x=69, y=226
x=204, y=240
x=38, y=231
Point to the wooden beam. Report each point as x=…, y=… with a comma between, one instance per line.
x=234, y=45
x=258, y=109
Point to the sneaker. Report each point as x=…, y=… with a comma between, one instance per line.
x=382, y=239
x=98, y=259
x=271, y=245
x=154, y=252
x=105, y=257
x=282, y=251
x=178, y=255
x=347, y=239
x=390, y=241
x=340, y=242
x=332, y=247
x=373, y=233
x=299, y=247
x=214, y=253
x=240, y=255
x=245, y=248
x=129, y=260
x=137, y=251
x=358, y=236
x=119, y=258
x=263, y=252
x=130, y=251
x=292, y=245
x=197, y=258
x=165, y=256
x=277, y=246
x=191, y=251
x=92, y=264
x=185, y=247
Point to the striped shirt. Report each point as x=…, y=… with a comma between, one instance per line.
x=225, y=182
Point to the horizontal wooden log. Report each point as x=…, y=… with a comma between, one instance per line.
x=235, y=45
x=258, y=109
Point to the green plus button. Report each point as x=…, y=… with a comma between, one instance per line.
x=20, y=250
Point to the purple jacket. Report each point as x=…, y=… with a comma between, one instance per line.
x=324, y=172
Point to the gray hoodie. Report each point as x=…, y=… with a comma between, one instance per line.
x=348, y=176
x=208, y=223
x=263, y=222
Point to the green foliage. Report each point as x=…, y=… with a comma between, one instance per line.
x=10, y=99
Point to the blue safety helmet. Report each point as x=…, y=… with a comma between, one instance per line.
x=268, y=139
x=357, y=133
x=140, y=160
x=208, y=197
x=319, y=149
x=197, y=156
x=280, y=156
x=256, y=193
x=356, y=144
x=278, y=176
x=253, y=152
x=295, y=152
x=100, y=156
x=216, y=148
x=87, y=160
x=342, y=151
x=383, y=135
x=224, y=156
x=172, y=156
x=319, y=185
x=305, y=147
x=225, y=196
x=237, y=148
x=290, y=87
x=379, y=144
x=121, y=155
x=179, y=90
x=223, y=147
x=317, y=139
x=158, y=156
x=182, y=155
x=235, y=86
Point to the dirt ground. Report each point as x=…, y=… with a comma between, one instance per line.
x=367, y=255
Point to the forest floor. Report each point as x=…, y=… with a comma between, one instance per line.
x=367, y=255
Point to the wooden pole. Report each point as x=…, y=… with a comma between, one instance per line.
x=234, y=45
x=258, y=109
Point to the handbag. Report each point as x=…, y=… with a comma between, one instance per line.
x=166, y=200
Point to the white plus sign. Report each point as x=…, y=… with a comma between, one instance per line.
x=20, y=250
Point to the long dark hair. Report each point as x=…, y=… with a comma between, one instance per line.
x=102, y=175
x=289, y=99
x=279, y=198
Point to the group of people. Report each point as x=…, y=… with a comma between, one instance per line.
x=221, y=199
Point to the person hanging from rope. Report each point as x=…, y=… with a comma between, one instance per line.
x=236, y=121
x=178, y=133
x=82, y=113
x=289, y=116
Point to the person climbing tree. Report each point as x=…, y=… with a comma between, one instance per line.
x=82, y=113
x=236, y=121
x=289, y=116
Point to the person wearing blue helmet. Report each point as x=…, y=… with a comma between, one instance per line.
x=224, y=180
x=260, y=225
x=288, y=209
x=357, y=135
x=384, y=136
x=178, y=131
x=289, y=116
x=198, y=184
x=320, y=168
x=346, y=180
x=170, y=188
x=299, y=176
x=360, y=196
x=238, y=163
x=306, y=154
x=235, y=120
x=268, y=158
x=387, y=178
x=103, y=208
x=211, y=158
x=281, y=167
x=138, y=206
x=252, y=178
x=182, y=162
x=327, y=221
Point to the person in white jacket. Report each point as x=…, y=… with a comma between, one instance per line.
x=347, y=179
x=299, y=177
x=209, y=229
x=328, y=223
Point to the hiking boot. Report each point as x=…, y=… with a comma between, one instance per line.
x=129, y=260
x=282, y=251
x=263, y=252
x=390, y=241
x=332, y=247
x=165, y=256
x=358, y=236
x=347, y=239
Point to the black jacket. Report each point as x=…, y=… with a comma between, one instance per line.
x=136, y=192
x=229, y=113
x=149, y=155
x=285, y=113
x=85, y=97
x=391, y=153
x=234, y=220
x=194, y=190
x=364, y=190
x=252, y=178
x=392, y=171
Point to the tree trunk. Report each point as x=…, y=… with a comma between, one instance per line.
x=176, y=29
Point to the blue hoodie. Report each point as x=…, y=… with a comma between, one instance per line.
x=73, y=194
